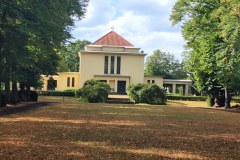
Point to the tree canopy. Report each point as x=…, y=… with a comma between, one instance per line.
x=69, y=56
x=164, y=64
x=211, y=29
x=30, y=35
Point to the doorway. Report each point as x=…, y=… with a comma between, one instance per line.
x=121, y=87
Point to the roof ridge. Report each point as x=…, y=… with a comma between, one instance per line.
x=112, y=38
x=102, y=37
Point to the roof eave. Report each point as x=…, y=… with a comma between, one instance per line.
x=109, y=52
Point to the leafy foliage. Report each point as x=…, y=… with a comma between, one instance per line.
x=95, y=91
x=164, y=64
x=152, y=94
x=210, y=100
x=147, y=93
x=30, y=34
x=211, y=29
x=69, y=56
x=133, y=90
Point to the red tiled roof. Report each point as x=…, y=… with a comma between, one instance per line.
x=113, y=39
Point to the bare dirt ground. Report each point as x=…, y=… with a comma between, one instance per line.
x=62, y=128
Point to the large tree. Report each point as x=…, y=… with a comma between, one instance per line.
x=211, y=29
x=30, y=34
x=164, y=64
x=69, y=56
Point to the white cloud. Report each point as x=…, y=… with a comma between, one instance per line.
x=144, y=23
x=98, y=12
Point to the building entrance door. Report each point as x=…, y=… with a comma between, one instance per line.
x=121, y=87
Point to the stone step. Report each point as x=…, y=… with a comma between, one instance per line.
x=119, y=101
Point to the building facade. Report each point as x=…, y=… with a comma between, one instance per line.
x=111, y=59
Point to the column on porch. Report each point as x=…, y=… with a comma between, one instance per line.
x=45, y=83
x=116, y=85
x=186, y=90
x=174, y=88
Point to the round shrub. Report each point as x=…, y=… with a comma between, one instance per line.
x=147, y=93
x=133, y=90
x=152, y=94
x=95, y=91
x=78, y=93
x=34, y=96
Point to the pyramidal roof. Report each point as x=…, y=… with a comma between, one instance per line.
x=112, y=39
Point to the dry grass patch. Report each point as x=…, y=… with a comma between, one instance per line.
x=69, y=130
x=15, y=141
x=73, y=121
x=146, y=151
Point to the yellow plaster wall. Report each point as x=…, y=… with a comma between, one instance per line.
x=45, y=79
x=93, y=64
x=93, y=48
x=62, y=81
x=133, y=66
x=115, y=79
x=111, y=48
x=134, y=50
x=158, y=80
x=90, y=64
x=115, y=49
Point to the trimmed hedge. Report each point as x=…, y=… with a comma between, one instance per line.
x=57, y=93
x=147, y=93
x=187, y=98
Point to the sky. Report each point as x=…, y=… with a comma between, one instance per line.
x=144, y=23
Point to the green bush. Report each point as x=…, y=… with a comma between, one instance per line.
x=210, y=100
x=152, y=94
x=34, y=96
x=147, y=93
x=133, y=90
x=95, y=91
x=3, y=100
x=78, y=93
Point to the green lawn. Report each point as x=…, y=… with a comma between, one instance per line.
x=57, y=129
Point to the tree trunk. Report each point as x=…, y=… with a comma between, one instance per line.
x=28, y=93
x=7, y=91
x=21, y=93
x=15, y=92
x=227, y=98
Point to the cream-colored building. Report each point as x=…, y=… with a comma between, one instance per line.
x=110, y=59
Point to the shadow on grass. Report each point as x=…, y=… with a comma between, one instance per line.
x=23, y=108
x=232, y=110
x=177, y=103
x=159, y=153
